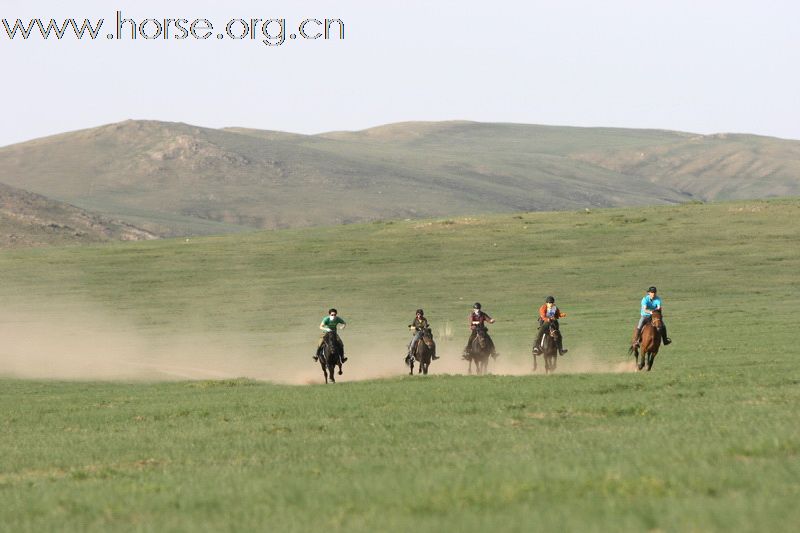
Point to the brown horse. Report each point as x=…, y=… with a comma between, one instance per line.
x=645, y=352
x=423, y=353
x=480, y=350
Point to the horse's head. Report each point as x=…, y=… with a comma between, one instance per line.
x=655, y=319
x=480, y=334
x=427, y=337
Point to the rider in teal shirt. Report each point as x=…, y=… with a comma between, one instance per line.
x=650, y=302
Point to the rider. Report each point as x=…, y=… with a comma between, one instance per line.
x=650, y=303
x=477, y=319
x=418, y=325
x=329, y=324
x=548, y=314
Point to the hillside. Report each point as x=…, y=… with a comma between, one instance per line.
x=28, y=219
x=178, y=179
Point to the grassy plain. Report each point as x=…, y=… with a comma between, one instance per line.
x=708, y=441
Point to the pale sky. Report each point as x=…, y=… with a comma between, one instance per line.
x=704, y=66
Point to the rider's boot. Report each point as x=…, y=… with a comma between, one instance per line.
x=537, y=347
x=434, y=356
x=561, y=349
x=344, y=358
x=664, y=339
x=315, y=357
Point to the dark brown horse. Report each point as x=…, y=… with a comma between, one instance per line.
x=330, y=357
x=480, y=349
x=645, y=352
x=423, y=353
x=549, y=349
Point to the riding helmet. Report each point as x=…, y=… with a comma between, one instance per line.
x=332, y=310
x=420, y=312
x=477, y=305
x=550, y=300
x=652, y=289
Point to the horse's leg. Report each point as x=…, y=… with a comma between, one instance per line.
x=651, y=357
x=323, y=362
x=641, y=354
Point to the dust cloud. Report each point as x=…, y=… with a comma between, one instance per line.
x=79, y=343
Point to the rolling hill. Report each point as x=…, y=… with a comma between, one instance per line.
x=28, y=219
x=177, y=179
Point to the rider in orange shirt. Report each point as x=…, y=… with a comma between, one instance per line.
x=548, y=314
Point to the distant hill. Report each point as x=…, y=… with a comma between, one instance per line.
x=178, y=179
x=28, y=219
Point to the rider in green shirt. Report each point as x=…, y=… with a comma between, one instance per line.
x=330, y=324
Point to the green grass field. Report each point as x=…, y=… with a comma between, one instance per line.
x=707, y=441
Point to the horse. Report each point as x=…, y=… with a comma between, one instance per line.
x=479, y=350
x=549, y=347
x=330, y=356
x=645, y=352
x=423, y=353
